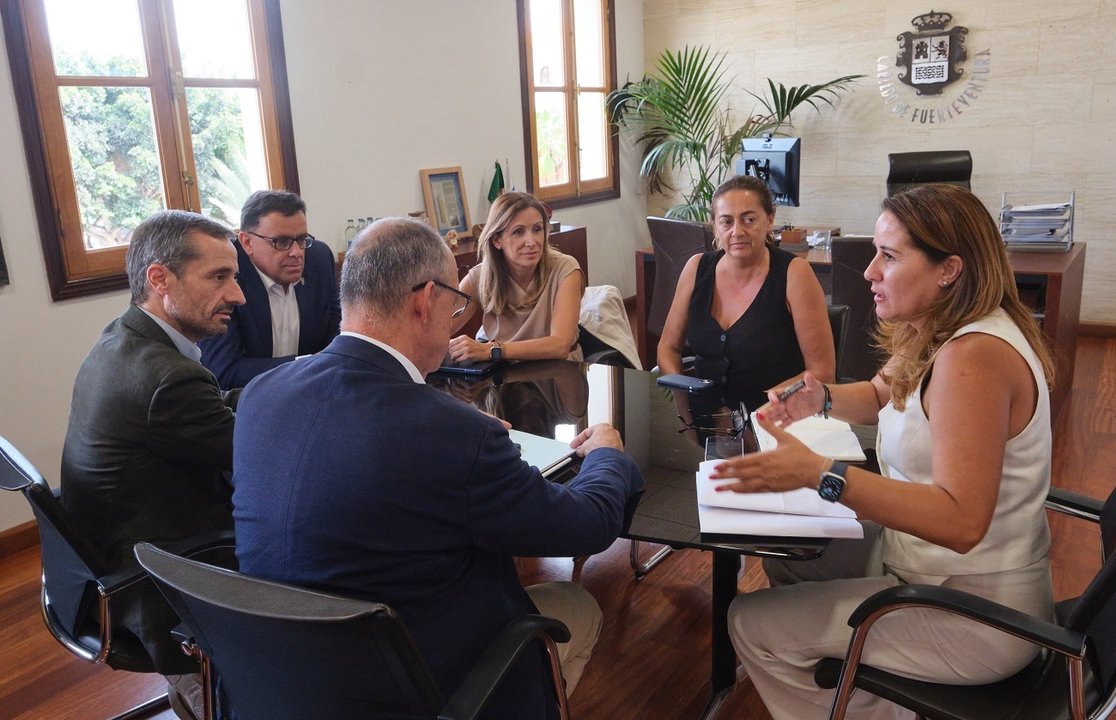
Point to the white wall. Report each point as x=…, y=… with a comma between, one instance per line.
x=1043, y=122
x=379, y=90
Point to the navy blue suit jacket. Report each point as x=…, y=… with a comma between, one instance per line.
x=244, y=351
x=351, y=478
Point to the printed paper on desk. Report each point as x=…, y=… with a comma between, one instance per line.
x=802, y=501
x=547, y=454
x=825, y=436
x=796, y=513
x=725, y=521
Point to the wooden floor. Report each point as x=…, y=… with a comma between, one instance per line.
x=652, y=660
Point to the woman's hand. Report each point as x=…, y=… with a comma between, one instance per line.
x=464, y=347
x=802, y=403
x=789, y=466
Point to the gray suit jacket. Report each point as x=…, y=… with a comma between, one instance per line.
x=147, y=449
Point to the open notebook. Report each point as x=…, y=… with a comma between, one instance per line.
x=547, y=454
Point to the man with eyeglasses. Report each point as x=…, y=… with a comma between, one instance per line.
x=290, y=284
x=353, y=476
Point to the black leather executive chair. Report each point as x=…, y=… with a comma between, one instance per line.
x=1074, y=677
x=839, y=324
x=953, y=167
x=850, y=255
x=674, y=242
x=78, y=593
x=287, y=652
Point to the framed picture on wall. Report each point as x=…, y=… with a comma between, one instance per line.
x=443, y=190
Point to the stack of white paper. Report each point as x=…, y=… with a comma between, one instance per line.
x=825, y=436
x=796, y=513
x=1047, y=226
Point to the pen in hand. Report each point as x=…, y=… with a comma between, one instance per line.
x=791, y=390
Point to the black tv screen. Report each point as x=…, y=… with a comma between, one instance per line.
x=775, y=161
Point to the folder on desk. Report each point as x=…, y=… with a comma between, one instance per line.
x=547, y=454
x=826, y=436
x=795, y=513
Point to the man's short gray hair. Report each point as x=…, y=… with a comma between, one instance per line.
x=162, y=238
x=387, y=260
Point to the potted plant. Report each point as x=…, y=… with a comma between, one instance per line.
x=683, y=126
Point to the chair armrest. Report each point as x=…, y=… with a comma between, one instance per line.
x=971, y=606
x=1075, y=504
x=470, y=697
x=606, y=357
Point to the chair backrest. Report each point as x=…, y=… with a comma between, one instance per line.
x=953, y=167
x=288, y=652
x=71, y=566
x=839, y=324
x=674, y=242
x=850, y=255
x=1108, y=525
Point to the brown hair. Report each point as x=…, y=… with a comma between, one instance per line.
x=493, y=291
x=747, y=183
x=945, y=220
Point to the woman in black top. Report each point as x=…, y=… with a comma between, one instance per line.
x=754, y=315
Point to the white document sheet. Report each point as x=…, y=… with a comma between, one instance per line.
x=830, y=437
x=746, y=522
x=547, y=454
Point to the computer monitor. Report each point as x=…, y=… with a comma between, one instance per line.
x=775, y=161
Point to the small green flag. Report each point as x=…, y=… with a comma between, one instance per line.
x=497, y=187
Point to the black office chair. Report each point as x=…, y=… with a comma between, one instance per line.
x=674, y=242
x=953, y=167
x=839, y=324
x=595, y=350
x=79, y=596
x=851, y=255
x=288, y=652
x=1073, y=677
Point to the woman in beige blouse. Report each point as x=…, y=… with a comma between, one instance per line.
x=530, y=293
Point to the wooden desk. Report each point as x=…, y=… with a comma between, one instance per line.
x=1050, y=283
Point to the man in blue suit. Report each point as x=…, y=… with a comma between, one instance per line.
x=290, y=284
x=354, y=476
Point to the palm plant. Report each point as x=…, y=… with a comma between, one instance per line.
x=683, y=127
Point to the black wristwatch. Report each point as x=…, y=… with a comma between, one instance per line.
x=832, y=481
x=497, y=352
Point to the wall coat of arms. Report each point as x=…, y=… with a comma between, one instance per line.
x=931, y=55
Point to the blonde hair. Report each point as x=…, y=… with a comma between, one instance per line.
x=494, y=291
x=945, y=220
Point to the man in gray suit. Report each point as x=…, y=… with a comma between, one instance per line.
x=150, y=435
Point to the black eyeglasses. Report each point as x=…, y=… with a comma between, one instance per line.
x=729, y=424
x=283, y=244
x=461, y=296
